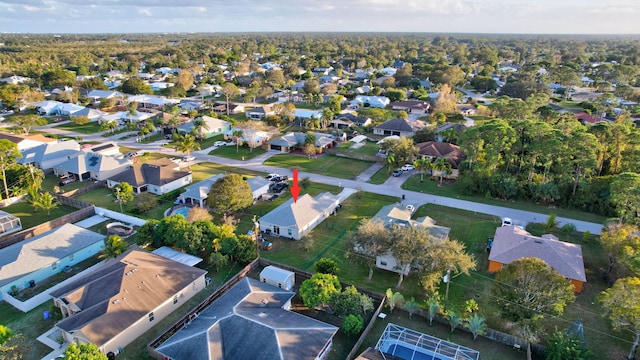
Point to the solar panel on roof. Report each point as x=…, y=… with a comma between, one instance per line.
x=93, y=161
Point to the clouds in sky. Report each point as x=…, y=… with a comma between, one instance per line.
x=466, y=16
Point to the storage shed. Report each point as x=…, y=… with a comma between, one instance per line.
x=278, y=277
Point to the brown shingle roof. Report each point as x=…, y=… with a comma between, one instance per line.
x=123, y=292
x=511, y=243
x=442, y=150
x=153, y=174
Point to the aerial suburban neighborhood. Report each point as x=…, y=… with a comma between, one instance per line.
x=319, y=196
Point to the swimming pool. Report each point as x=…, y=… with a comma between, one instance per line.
x=184, y=211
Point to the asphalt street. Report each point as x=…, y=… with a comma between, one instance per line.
x=390, y=188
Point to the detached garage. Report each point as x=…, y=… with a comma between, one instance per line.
x=278, y=277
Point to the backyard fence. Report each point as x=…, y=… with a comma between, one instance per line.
x=88, y=187
x=73, y=217
x=66, y=200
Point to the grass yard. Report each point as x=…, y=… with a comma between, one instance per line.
x=473, y=230
x=152, y=138
x=88, y=128
x=431, y=187
x=380, y=176
x=27, y=327
x=30, y=218
x=340, y=167
x=144, y=157
x=205, y=170
x=240, y=153
x=369, y=148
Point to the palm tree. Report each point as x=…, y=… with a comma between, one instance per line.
x=327, y=115
x=237, y=134
x=391, y=160
x=187, y=144
x=113, y=247
x=109, y=125
x=476, y=325
x=411, y=306
x=199, y=126
x=8, y=155
x=443, y=166
x=45, y=201
x=422, y=165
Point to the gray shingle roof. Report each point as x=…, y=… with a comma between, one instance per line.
x=50, y=151
x=43, y=250
x=200, y=190
x=149, y=174
x=511, y=243
x=396, y=124
x=249, y=322
x=302, y=212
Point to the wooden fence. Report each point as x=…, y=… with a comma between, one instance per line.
x=69, y=201
x=73, y=217
x=88, y=187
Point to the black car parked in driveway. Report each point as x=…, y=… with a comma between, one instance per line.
x=278, y=187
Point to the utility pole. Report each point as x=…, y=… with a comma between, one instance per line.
x=447, y=279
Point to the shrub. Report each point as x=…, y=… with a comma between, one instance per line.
x=352, y=325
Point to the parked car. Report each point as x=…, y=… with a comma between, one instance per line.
x=219, y=143
x=278, y=187
x=397, y=172
x=407, y=167
x=131, y=154
x=279, y=178
x=411, y=208
x=271, y=176
x=176, y=160
x=507, y=222
x=66, y=181
x=188, y=158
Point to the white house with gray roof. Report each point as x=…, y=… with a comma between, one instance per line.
x=259, y=186
x=296, y=219
x=291, y=140
x=39, y=257
x=90, y=165
x=197, y=194
x=48, y=155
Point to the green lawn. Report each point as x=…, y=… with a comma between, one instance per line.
x=431, y=187
x=27, y=327
x=152, y=138
x=339, y=167
x=380, y=176
x=204, y=144
x=30, y=218
x=369, y=148
x=88, y=128
x=240, y=153
x=204, y=170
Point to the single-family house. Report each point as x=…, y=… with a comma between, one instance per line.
x=15, y=79
x=276, y=276
x=466, y=110
x=304, y=114
x=35, y=259
x=160, y=85
x=294, y=220
x=365, y=89
x=396, y=126
x=328, y=79
x=435, y=150
x=370, y=101
x=511, y=243
x=388, y=71
x=213, y=127
x=291, y=140
x=167, y=70
x=107, y=148
x=48, y=107
x=259, y=186
x=196, y=194
x=412, y=106
x=152, y=102
x=48, y=155
x=122, y=300
x=588, y=119
x=346, y=120
x=259, y=113
x=392, y=215
x=322, y=70
x=26, y=141
x=134, y=116
x=97, y=95
x=251, y=320
x=87, y=165
x=221, y=108
x=92, y=114
x=155, y=178
x=254, y=138
x=9, y=223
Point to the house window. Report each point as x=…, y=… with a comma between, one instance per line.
x=280, y=285
x=289, y=232
x=71, y=257
x=383, y=263
x=54, y=266
x=151, y=318
x=276, y=229
x=175, y=299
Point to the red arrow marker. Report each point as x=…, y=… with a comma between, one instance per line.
x=295, y=190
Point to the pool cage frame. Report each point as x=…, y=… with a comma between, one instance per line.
x=410, y=339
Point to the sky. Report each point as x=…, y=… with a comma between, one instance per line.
x=441, y=16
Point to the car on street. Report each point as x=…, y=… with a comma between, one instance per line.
x=188, y=158
x=507, y=222
x=397, y=172
x=279, y=178
x=407, y=167
x=271, y=176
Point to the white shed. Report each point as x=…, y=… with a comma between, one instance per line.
x=278, y=277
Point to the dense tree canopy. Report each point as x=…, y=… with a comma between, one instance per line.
x=230, y=193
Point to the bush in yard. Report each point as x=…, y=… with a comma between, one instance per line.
x=347, y=302
x=319, y=290
x=5, y=334
x=352, y=325
x=327, y=266
x=145, y=202
x=561, y=346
